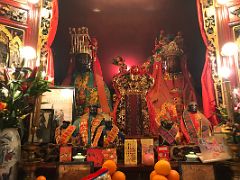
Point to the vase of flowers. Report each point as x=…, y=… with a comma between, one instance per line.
x=18, y=90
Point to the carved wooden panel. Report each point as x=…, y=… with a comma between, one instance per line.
x=234, y=13
x=13, y=13
x=44, y=31
x=210, y=28
x=11, y=40
x=20, y=18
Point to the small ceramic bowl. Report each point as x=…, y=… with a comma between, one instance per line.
x=79, y=157
x=191, y=156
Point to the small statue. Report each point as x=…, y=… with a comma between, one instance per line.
x=92, y=125
x=194, y=125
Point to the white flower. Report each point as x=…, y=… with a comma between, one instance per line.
x=4, y=91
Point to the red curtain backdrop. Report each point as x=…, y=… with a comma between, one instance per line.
x=208, y=95
x=51, y=35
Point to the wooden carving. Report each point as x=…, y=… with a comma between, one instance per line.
x=234, y=13
x=13, y=13
x=11, y=40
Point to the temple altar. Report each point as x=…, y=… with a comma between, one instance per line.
x=153, y=95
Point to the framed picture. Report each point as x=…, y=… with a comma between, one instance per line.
x=45, y=131
x=74, y=170
x=60, y=99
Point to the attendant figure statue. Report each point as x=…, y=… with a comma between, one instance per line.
x=91, y=126
x=194, y=125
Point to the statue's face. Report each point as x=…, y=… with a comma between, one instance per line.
x=108, y=124
x=193, y=107
x=83, y=62
x=172, y=64
x=93, y=110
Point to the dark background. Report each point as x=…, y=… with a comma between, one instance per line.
x=128, y=28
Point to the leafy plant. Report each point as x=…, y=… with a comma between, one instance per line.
x=18, y=90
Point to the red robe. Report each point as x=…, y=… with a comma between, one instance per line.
x=201, y=127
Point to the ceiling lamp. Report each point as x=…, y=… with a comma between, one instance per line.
x=229, y=49
x=97, y=10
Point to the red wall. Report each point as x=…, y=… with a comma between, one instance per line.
x=128, y=28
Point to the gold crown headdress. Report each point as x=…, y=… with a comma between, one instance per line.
x=80, y=41
x=171, y=49
x=168, y=45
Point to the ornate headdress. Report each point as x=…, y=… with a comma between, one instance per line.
x=80, y=41
x=168, y=45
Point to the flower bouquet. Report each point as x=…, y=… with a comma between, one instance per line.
x=18, y=90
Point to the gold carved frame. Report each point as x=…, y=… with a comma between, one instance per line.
x=209, y=16
x=44, y=29
x=11, y=40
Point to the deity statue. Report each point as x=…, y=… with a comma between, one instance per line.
x=172, y=90
x=132, y=110
x=172, y=80
x=194, y=125
x=85, y=74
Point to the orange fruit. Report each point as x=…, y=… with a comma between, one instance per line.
x=153, y=173
x=173, y=175
x=118, y=175
x=162, y=167
x=159, y=177
x=41, y=178
x=110, y=165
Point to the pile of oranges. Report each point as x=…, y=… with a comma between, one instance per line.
x=163, y=171
x=112, y=168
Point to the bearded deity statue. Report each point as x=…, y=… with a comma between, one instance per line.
x=92, y=97
x=132, y=110
x=172, y=90
x=85, y=74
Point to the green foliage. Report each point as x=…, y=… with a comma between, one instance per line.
x=18, y=89
x=222, y=114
